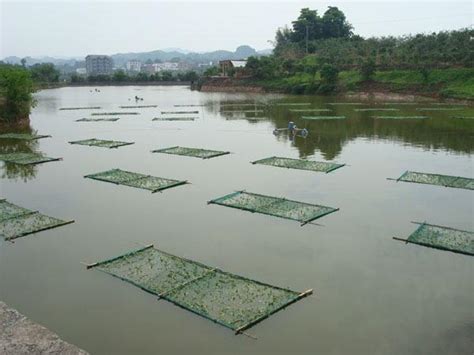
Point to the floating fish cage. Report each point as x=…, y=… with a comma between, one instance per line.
x=178, y=112
x=437, y=179
x=93, y=142
x=80, y=108
x=191, y=152
x=401, y=117
x=23, y=136
x=131, y=179
x=139, y=106
x=232, y=301
x=174, y=118
x=114, y=113
x=309, y=110
x=323, y=117
x=375, y=109
x=440, y=237
x=274, y=206
x=300, y=164
x=16, y=221
x=26, y=158
x=85, y=119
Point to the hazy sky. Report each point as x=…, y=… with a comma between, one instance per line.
x=76, y=28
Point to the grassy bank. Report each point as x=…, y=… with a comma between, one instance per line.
x=444, y=83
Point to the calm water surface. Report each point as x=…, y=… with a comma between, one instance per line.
x=373, y=295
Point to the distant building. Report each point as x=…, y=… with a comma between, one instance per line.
x=228, y=65
x=99, y=65
x=158, y=67
x=134, y=65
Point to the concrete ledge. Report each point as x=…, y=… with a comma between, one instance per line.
x=21, y=336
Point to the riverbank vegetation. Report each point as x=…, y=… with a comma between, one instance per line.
x=322, y=54
x=120, y=76
x=16, y=89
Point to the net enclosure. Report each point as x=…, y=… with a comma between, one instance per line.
x=26, y=158
x=23, y=136
x=401, y=117
x=174, y=118
x=114, y=113
x=131, y=179
x=93, y=142
x=323, y=117
x=80, y=108
x=191, y=152
x=16, y=221
x=232, y=301
x=301, y=164
x=85, y=119
x=178, y=112
x=139, y=106
x=440, y=237
x=437, y=179
x=274, y=206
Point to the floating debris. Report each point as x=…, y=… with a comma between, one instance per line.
x=114, y=113
x=323, y=117
x=300, y=164
x=141, y=181
x=274, y=206
x=444, y=238
x=26, y=158
x=85, y=119
x=191, y=152
x=16, y=221
x=232, y=301
x=93, y=142
x=23, y=136
x=80, y=108
x=437, y=179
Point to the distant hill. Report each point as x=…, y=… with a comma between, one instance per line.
x=163, y=55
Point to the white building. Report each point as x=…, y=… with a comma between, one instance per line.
x=134, y=65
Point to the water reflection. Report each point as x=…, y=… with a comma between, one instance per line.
x=442, y=130
x=18, y=171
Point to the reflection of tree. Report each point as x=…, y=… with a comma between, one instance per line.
x=440, y=131
x=17, y=171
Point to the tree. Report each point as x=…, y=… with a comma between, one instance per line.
x=44, y=73
x=307, y=27
x=120, y=76
x=367, y=69
x=329, y=78
x=212, y=71
x=23, y=62
x=334, y=24
x=16, y=86
x=167, y=76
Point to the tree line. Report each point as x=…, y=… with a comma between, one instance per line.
x=318, y=47
x=120, y=76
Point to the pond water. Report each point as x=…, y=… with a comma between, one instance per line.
x=372, y=294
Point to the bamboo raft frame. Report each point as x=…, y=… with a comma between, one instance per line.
x=139, y=106
x=114, y=113
x=80, y=108
x=174, y=119
x=100, y=143
x=434, y=246
x=178, y=112
x=327, y=171
x=322, y=118
x=25, y=213
x=303, y=222
x=173, y=182
x=215, y=153
x=41, y=159
x=23, y=136
x=428, y=183
x=165, y=294
x=87, y=119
